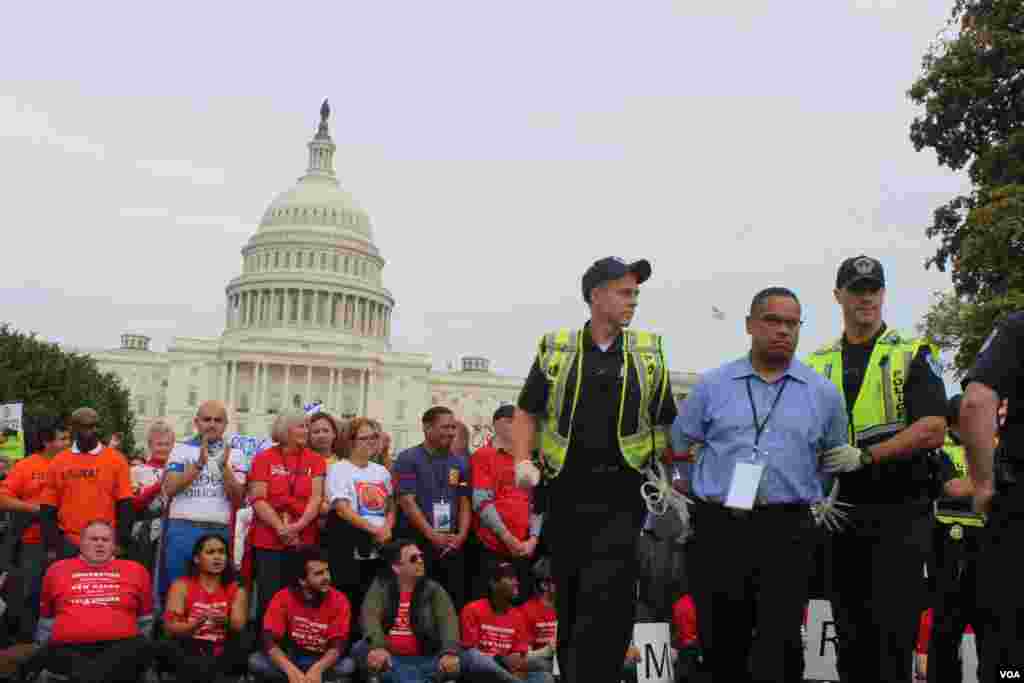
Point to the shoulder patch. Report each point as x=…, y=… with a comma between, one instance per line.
x=935, y=365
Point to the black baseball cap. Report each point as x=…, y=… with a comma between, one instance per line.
x=507, y=410
x=858, y=269
x=612, y=268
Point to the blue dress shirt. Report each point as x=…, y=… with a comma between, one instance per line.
x=810, y=417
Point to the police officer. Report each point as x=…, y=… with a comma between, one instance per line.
x=600, y=402
x=955, y=538
x=998, y=372
x=896, y=401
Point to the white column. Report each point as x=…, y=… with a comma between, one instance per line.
x=366, y=393
x=316, y=308
x=359, y=392
x=286, y=293
x=227, y=315
x=232, y=371
x=307, y=398
x=259, y=394
x=329, y=403
x=286, y=400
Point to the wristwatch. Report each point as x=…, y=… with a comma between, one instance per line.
x=866, y=458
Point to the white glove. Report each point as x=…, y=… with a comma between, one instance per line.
x=527, y=475
x=845, y=458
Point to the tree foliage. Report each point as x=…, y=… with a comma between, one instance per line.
x=52, y=381
x=972, y=94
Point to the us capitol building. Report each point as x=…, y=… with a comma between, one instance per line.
x=309, y=319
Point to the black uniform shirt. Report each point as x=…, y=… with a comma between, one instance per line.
x=595, y=444
x=1000, y=366
x=900, y=479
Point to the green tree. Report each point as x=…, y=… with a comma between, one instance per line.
x=50, y=380
x=972, y=93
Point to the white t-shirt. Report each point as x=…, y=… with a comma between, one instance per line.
x=205, y=500
x=367, y=489
x=144, y=476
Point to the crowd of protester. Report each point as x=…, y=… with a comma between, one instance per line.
x=319, y=558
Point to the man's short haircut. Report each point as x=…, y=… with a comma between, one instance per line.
x=391, y=553
x=84, y=414
x=431, y=415
x=47, y=429
x=761, y=297
x=99, y=522
x=313, y=553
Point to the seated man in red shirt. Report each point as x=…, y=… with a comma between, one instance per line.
x=494, y=635
x=306, y=628
x=96, y=614
x=541, y=620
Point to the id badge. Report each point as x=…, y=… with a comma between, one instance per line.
x=443, y=516
x=746, y=477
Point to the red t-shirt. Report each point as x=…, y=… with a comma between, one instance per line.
x=493, y=634
x=289, y=480
x=93, y=604
x=541, y=622
x=401, y=639
x=684, y=619
x=200, y=602
x=493, y=471
x=311, y=628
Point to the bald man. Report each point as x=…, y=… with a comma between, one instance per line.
x=85, y=483
x=204, y=484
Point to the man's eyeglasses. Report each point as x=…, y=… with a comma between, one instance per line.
x=206, y=418
x=776, y=322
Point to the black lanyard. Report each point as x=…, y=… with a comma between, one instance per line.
x=759, y=426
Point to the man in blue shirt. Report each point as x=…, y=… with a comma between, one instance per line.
x=756, y=427
x=434, y=502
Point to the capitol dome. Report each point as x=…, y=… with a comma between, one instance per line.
x=311, y=272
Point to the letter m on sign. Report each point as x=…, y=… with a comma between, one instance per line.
x=658, y=668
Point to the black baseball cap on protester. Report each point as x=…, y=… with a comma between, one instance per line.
x=507, y=410
x=860, y=268
x=612, y=268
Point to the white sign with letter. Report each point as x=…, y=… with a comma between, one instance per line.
x=655, y=644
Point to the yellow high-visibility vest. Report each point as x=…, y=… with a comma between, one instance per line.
x=559, y=353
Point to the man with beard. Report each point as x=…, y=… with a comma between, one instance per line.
x=86, y=483
x=306, y=627
x=760, y=422
x=599, y=396
x=896, y=401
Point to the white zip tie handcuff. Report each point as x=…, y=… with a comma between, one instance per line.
x=659, y=496
x=828, y=511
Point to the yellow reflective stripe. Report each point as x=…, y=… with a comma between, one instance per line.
x=965, y=520
x=880, y=430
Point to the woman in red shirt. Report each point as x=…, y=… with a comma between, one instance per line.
x=206, y=612
x=286, y=487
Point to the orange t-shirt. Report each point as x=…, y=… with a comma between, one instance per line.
x=25, y=482
x=86, y=487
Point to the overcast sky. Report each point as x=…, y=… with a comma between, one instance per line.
x=499, y=149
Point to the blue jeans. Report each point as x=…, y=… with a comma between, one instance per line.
x=403, y=669
x=477, y=666
x=262, y=666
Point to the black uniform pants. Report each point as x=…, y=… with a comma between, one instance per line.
x=1000, y=588
x=878, y=590
x=595, y=568
x=954, y=601
x=750, y=572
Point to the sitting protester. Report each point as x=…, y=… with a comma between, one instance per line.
x=412, y=631
x=206, y=613
x=494, y=637
x=96, y=614
x=306, y=627
x=541, y=620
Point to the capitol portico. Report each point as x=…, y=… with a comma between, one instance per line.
x=308, y=319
